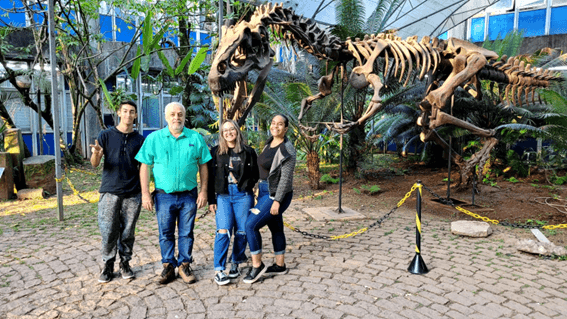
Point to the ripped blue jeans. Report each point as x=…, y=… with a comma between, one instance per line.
x=232, y=211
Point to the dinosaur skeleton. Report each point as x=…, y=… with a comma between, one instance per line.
x=446, y=64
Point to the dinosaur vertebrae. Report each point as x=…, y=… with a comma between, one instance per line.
x=521, y=79
x=302, y=31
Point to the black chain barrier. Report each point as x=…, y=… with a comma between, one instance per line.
x=514, y=225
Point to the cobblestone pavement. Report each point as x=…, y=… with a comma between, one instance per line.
x=49, y=272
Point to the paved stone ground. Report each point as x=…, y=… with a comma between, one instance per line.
x=49, y=272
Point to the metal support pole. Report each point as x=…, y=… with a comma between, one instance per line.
x=474, y=181
x=221, y=16
x=449, y=168
x=340, y=209
x=450, y=155
x=417, y=265
x=55, y=107
x=39, y=126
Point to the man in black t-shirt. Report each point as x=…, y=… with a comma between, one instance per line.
x=120, y=190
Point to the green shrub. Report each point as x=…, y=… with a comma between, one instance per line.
x=326, y=178
x=374, y=189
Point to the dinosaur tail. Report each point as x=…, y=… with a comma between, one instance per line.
x=517, y=82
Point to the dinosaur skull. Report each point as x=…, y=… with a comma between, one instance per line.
x=241, y=49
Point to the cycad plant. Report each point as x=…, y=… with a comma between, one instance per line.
x=397, y=119
x=286, y=100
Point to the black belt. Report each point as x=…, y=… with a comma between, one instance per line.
x=161, y=191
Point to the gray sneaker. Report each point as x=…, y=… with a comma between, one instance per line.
x=221, y=279
x=126, y=271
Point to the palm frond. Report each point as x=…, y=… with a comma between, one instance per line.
x=519, y=127
x=350, y=16
x=380, y=15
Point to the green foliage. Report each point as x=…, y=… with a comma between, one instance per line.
x=113, y=99
x=356, y=190
x=326, y=178
x=509, y=45
x=517, y=164
x=557, y=180
x=371, y=189
x=350, y=17
x=383, y=11
x=513, y=180
x=196, y=62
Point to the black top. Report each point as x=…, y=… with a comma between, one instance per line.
x=121, y=172
x=234, y=166
x=265, y=160
x=245, y=171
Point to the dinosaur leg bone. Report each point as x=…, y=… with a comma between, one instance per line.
x=325, y=84
x=376, y=103
x=442, y=118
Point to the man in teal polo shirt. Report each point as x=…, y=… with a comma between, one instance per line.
x=177, y=154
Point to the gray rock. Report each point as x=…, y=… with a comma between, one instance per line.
x=471, y=228
x=40, y=172
x=540, y=248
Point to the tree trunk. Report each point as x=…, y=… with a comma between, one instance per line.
x=353, y=151
x=478, y=158
x=313, y=169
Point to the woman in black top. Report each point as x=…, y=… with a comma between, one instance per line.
x=233, y=172
x=276, y=164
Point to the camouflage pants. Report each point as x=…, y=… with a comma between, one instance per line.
x=117, y=216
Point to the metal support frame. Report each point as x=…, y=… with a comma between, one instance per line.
x=55, y=106
x=340, y=209
x=221, y=17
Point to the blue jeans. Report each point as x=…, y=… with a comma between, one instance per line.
x=232, y=211
x=260, y=216
x=117, y=216
x=179, y=208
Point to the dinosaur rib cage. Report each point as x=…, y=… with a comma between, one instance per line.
x=520, y=80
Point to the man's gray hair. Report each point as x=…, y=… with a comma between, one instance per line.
x=172, y=104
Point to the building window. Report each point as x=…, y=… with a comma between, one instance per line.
x=477, y=29
x=532, y=23
x=500, y=25
x=558, y=23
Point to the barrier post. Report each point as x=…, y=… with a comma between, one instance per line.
x=417, y=265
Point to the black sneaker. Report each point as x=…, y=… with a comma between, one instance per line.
x=221, y=279
x=125, y=270
x=107, y=273
x=254, y=274
x=276, y=269
x=234, y=272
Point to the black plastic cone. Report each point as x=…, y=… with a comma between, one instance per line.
x=418, y=266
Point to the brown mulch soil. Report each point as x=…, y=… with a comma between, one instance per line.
x=506, y=201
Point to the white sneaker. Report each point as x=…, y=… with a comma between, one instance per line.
x=221, y=279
